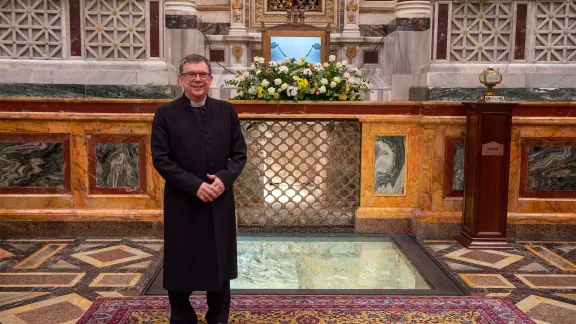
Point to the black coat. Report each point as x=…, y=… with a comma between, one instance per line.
x=199, y=238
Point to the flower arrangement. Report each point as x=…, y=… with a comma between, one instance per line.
x=295, y=80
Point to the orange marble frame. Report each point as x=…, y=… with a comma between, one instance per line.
x=41, y=138
x=94, y=139
x=374, y=205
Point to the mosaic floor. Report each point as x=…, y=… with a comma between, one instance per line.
x=54, y=281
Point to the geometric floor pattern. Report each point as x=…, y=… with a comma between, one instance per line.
x=53, y=281
x=539, y=277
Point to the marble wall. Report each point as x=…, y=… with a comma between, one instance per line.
x=390, y=165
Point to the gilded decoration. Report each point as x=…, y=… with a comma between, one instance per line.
x=263, y=12
x=237, y=52
x=351, y=10
x=351, y=53
x=283, y=5
x=237, y=7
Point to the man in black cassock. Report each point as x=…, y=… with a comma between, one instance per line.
x=198, y=148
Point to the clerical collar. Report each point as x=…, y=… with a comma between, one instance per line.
x=198, y=104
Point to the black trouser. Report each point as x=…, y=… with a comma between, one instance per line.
x=181, y=311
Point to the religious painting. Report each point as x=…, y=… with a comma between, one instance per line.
x=390, y=165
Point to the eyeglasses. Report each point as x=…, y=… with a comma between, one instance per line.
x=192, y=75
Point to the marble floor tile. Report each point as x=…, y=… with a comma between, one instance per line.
x=111, y=255
x=483, y=280
x=40, y=279
x=547, y=311
x=551, y=281
x=10, y=297
x=489, y=258
x=534, y=267
x=5, y=254
x=116, y=280
x=59, y=310
x=36, y=259
x=552, y=258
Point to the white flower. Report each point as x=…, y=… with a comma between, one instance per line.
x=338, y=65
x=303, y=57
x=272, y=63
x=265, y=83
x=351, y=80
x=307, y=71
x=299, y=62
x=251, y=90
x=322, y=89
x=246, y=74
x=241, y=77
x=294, y=92
x=332, y=58
x=284, y=86
x=333, y=84
x=241, y=93
x=326, y=65
x=277, y=82
x=258, y=71
x=344, y=62
x=324, y=81
x=261, y=60
x=271, y=90
x=256, y=59
x=336, y=79
x=346, y=75
x=287, y=60
x=283, y=69
x=295, y=78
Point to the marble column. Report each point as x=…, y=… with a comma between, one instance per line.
x=409, y=31
x=182, y=34
x=180, y=7
x=351, y=28
x=413, y=9
x=237, y=18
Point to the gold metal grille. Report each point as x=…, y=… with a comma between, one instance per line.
x=299, y=173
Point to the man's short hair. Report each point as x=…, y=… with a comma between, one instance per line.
x=194, y=58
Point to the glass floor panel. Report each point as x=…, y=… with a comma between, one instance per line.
x=312, y=262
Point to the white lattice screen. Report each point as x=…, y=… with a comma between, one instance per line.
x=555, y=31
x=32, y=29
x=115, y=29
x=481, y=32
x=484, y=32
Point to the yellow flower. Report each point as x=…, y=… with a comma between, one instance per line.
x=260, y=92
x=347, y=89
x=342, y=97
x=302, y=83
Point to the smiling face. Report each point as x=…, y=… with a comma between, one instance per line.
x=196, y=80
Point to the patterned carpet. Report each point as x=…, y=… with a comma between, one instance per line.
x=319, y=309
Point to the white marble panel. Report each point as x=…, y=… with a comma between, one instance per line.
x=25, y=76
x=156, y=78
x=94, y=77
x=470, y=80
x=538, y=80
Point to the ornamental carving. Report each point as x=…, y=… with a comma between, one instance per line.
x=264, y=12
